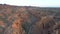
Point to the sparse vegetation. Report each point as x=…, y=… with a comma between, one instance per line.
x=29, y=20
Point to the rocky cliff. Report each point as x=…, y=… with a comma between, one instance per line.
x=29, y=20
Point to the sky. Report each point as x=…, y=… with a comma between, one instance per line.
x=39, y=3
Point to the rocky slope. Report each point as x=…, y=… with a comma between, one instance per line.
x=29, y=20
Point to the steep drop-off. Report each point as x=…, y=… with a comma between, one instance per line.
x=29, y=20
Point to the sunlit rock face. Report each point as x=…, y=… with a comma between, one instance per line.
x=29, y=20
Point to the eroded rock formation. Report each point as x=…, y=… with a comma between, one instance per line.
x=29, y=20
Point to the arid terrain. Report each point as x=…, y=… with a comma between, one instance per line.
x=29, y=20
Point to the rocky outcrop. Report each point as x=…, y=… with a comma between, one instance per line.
x=43, y=26
x=29, y=20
